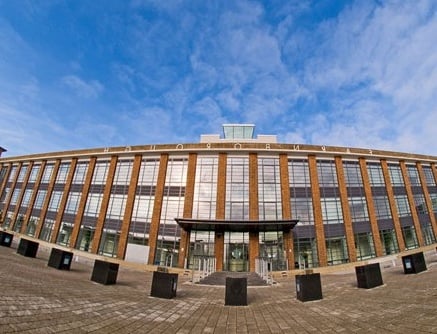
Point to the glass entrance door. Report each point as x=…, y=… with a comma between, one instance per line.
x=236, y=257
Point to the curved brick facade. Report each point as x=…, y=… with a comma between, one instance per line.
x=352, y=204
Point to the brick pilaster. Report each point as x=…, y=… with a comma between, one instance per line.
x=188, y=207
x=317, y=211
x=412, y=203
x=392, y=203
x=157, y=208
x=347, y=219
x=130, y=201
x=104, y=206
x=371, y=208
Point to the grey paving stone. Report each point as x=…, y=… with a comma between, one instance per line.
x=35, y=298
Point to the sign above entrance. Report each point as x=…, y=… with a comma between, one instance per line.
x=188, y=224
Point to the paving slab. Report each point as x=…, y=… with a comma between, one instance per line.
x=35, y=298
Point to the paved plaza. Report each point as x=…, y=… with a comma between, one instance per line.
x=36, y=298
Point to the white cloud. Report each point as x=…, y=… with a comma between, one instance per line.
x=82, y=88
x=378, y=65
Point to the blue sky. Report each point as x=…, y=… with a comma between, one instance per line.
x=84, y=74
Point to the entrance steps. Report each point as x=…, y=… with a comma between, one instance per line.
x=219, y=278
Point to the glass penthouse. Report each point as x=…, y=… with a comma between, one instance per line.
x=234, y=198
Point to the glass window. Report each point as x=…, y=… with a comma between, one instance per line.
x=382, y=207
x=336, y=250
x=305, y=253
x=22, y=174
x=237, y=188
x=14, y=197
x=352, y=174
x=389, y=242
x=123, y=173
x=47, y=229
x=299, y=173
x=402, y=205
x=64, y=168
x=3, y=172
x=48, y=170
x=172, y=207
x=26, y=198
x=34, y=173
x=364, y=246
x=144, y=201
x=409, y=233
x=55, y=200
x=205, y=188
x=100, y=172
x=434, y=202
x=13, y=173
x=327, y=173
x=92, y=207
x=413, y=175
x=395, y=175
x=116, y=206
x=269, y=189
x=331, y=210
x=80, y=173
x=39, y=201
x=73, y=202
x=358, y=209
x=429, y=177
x=300, y=192
x=428, y=234
x=376, y=176
x=419, y=200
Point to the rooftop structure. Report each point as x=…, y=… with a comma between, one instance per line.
x=241, y=133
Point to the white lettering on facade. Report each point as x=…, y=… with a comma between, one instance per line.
x=348, y=150
x=179, y=147
x=106, y=149
x=127, y=149
x=267, y=146
x=208, y=146
x=323, y=148
x=296, y=147
x=370, y=151
x=237, y=146
x=152, y=147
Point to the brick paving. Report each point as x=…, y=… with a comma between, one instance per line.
x=35, y=298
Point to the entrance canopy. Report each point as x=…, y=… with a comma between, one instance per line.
x=188, y=224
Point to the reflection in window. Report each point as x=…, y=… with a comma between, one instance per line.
x=376, y=176
x=336, y=249
x=34, y=173
x=172, y=206
x=80, y=173
x=364, y=246
x=389, y=241
x=116, y=207
x=22, y=174
x=300, y=192
x=62, y=175
x=429, y=177
x=144, y=201
x=269, y=189
x=237, y=188
x=413, y=175
x=48, y=170
x=205, y=188
x=402, y=205
x=409, y=233
x=395, y=175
